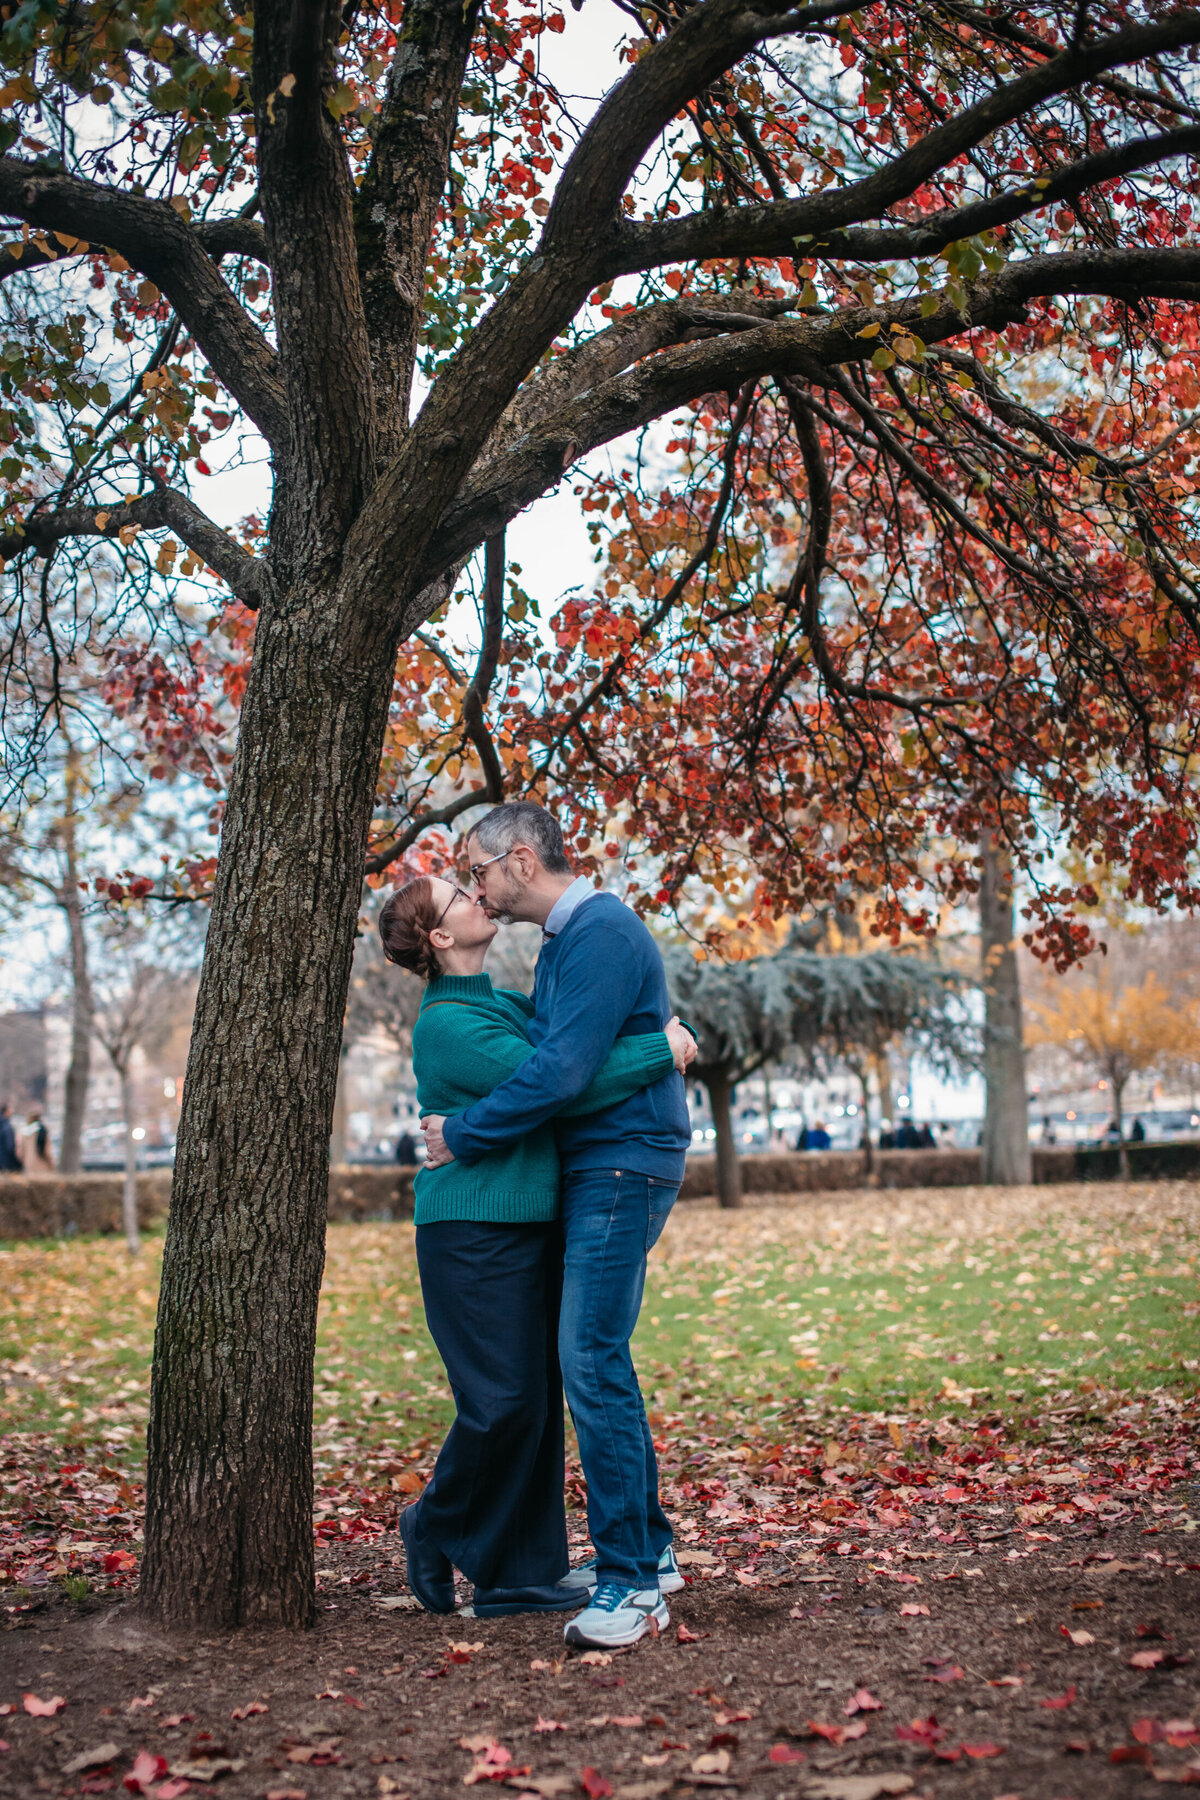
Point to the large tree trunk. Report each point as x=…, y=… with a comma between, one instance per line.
x=129, y=1213
x=720, y=1085
x=229, y=1476
x=82, y=1012
x=1006, y=1155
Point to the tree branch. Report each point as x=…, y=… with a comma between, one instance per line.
x=492, y=791
x=771, y=229
x=162, y=508
x=397, y=201
x=955, y=223
x=152, y=236
x=813, y=347
x=234, y=236
x=307, y=199
x=582, y=235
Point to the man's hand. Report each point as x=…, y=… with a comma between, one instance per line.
x=438, y=1151
x=683, y=1044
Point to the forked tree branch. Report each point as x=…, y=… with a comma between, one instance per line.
x=813, y=347
x=151, y=236
x=771, y=229
x=162, y=508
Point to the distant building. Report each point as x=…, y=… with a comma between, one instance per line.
x=23, y=1059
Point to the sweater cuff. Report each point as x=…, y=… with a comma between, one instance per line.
x=456, y=1134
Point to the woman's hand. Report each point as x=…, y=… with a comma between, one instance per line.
x=683, y=1044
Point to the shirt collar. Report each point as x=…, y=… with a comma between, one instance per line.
x=580, y=890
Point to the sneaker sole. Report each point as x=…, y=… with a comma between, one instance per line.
x=655, y=1621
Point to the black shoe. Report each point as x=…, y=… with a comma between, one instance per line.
x=495, y=1603
x=430, y=1573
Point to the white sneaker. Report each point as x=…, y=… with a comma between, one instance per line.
x=617, y=1616
x=670, y=1581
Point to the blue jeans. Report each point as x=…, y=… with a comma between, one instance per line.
x=610, y=1219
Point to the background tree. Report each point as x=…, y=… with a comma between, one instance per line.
x=140, y=993
x=1006, y=1155
x=279, y=220
x=825, y=1009
x=1115, y=1031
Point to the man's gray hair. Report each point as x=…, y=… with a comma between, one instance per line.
x=520, y=822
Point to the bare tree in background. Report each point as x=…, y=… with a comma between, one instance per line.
x=141, y=990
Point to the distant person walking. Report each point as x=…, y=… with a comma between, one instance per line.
x=406, y=1150
x=10, y=1162
x=36, y=1154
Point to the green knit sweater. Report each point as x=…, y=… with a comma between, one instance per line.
x=469, y=1037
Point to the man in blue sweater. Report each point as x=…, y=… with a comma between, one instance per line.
x=599, y=977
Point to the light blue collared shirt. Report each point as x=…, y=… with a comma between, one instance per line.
x=580, y=890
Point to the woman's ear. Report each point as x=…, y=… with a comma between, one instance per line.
x=441, y=939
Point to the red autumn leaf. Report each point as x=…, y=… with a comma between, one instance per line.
x=1151, y=1629
x=1130, y=1753
x=948, y=1752
x=921, y=1731
x=979, y=1751
x=1057, y=1703
x=172, y=1790
x=783, y=1753
x=913, y=1609
x=862, y=1700
x=1147, y=1731
x=549, y=1724
x=1181, y=1734
x=251, y=1707
x=593, y=1785
x=202, y=467
x=684, y=1636
x=147, y=1769
x=42, y=1709
x=946, y=1672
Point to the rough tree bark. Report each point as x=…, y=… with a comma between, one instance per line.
x=1006, y=1154
x=721, y=1086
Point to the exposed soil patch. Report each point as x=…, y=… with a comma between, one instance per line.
x=378, y=1701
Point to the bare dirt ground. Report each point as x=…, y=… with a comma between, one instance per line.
x=1015, y=1667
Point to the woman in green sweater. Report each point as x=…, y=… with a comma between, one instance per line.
x=490, y=1261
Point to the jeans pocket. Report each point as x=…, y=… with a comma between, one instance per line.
x=659, y=1201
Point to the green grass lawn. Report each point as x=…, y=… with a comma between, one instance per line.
x=971, y=1297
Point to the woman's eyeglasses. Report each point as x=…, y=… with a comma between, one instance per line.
x=458, y=894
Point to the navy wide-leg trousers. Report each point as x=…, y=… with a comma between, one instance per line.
x=495, y=1505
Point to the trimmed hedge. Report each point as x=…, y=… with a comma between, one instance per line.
x=67, y=1205
x=819, y=1171
x=70, y=1205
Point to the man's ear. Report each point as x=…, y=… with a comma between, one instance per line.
x=527, y=862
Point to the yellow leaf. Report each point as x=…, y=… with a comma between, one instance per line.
x=871, y=330
x=102, y=519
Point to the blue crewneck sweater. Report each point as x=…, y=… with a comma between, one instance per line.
x=600, y=978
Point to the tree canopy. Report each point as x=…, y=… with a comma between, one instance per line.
x=920, y=282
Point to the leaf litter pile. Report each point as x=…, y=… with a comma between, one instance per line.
x=932, y=1459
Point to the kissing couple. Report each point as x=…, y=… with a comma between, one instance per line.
x=556, y=1127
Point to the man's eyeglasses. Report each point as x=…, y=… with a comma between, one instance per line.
x=476, y=869
x=458, y=894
